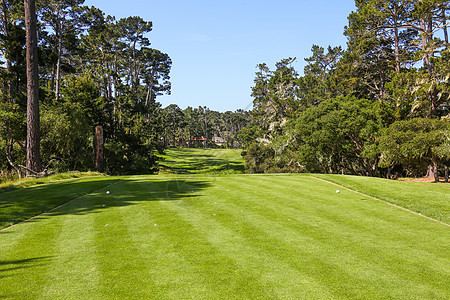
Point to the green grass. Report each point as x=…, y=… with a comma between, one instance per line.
x=430, y=199
x=30, y=197
x=224, y=237
x=10, y=185
x=201, y=161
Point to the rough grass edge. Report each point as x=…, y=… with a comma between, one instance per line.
x=30, y=181
x=381, y=200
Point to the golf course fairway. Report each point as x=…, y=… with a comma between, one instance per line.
x=223, y=237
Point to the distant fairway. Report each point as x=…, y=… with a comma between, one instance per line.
x=225, y=237
x=201, y=161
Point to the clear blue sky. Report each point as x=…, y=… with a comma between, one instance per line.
x=216, y=45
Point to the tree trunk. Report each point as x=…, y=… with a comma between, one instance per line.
x=109, y=87
x=396, y=40
x=444, y=22
x=116, y=82
x=148, y=99
x=58, y=66
x=52, y=81
x=430, y=172
x=446, y=174
x=435, y=170
x=426, y=61
x=98, y=149
x=427, y=36
x=5, y=22
x=134, y=71
x=105, y=86
x=33, y=136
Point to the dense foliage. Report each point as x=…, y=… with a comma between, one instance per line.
x=198, y=127
x=380, y=105
x=378, y=108
x=94, y=70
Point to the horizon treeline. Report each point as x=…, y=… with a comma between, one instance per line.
x=378, y=108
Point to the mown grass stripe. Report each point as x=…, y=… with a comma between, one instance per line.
x=118, y=259
x=274, y=226
x=164, y=268
x=386, y=202
x=206, y=271
x=73, y=274
x=247, y=254
x=30, y=260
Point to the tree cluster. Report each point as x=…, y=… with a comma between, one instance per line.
x=93, y=70
x=378, y=108
x=196, y=127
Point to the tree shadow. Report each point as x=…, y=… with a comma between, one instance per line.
x=21, y=204
x=27, y=203
x=8, y=266
x=132, y=192
x=202, y=164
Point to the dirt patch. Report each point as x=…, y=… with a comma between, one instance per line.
x=421, y=179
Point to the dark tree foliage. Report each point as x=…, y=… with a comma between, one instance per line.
x=337, y=116
x=202, y=127
x=90, y=70
x=347, y=112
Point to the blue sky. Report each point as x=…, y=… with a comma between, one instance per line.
x=216, y=45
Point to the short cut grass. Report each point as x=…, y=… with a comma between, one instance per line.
x=225, y=237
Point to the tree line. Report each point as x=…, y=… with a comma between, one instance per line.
x=378, y=108
x=197, y=127
x=92, y=70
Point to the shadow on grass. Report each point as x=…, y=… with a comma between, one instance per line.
x=132, y=192
x=203, y=164
x=8, y=266
x=196, y=168
x=201, y=161
x=21, y=204
x=24, y=204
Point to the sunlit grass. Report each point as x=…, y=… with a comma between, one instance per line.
x=201, y=161
x=430, y=199
x=27, y=198
x=222, y=237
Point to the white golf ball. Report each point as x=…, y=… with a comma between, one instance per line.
x=337, y=191
x=107, y=192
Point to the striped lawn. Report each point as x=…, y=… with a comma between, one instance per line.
x=225, y=237
x=201, y=161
